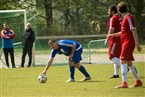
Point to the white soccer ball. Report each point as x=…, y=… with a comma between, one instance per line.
x=42, y=78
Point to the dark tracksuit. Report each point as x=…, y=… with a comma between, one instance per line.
x=28, y=39
x=7, y=45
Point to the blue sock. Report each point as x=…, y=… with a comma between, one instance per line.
x=72, y=71
x=83, y=70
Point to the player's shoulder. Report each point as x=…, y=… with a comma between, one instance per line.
x=116, y=16
x=128, y=16
x=11, y=30
x=64, y=41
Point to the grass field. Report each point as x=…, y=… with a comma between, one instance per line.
x=22, y=82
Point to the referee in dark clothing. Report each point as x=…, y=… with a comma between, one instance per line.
x=28, y=39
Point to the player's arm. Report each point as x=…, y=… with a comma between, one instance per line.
x=48, y=65
x=72, y=52
x=12, y=35
x=4, y=35
x=111, y=31
x=136, y=39
x=114, y=35
x=50, y=60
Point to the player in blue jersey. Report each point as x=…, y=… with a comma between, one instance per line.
x=73, y=50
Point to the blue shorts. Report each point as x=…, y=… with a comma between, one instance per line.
x=77, y=56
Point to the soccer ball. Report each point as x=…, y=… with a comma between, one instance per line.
x=42, y=78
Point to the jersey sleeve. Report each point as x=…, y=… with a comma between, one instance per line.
x=53, y=53
x=2, y=34
x=131, y=23
x=112, y=23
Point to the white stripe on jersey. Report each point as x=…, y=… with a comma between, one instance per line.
x=130, y=24
x=113, y=48
x=50, y=55
x=79, y=48
x=65, y=44
x=111, y=21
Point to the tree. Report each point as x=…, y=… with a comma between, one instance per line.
x=137, y=8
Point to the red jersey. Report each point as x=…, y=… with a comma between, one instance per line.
x=115, y=23
x=127, y=39
x=127, y=25
x=114, y=42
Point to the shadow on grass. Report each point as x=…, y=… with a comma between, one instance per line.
x=142, y=77
x=89, y=81
x=139, y=77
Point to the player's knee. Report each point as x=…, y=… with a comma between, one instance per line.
x=116, y=61
x=71, y=64
x=77, y=66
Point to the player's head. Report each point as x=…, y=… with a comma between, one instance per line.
x=52, y=43
x=5, y=25
x=28, y=26
x=112, y=10
x=122, y=7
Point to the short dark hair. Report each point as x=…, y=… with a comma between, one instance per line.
x=113, y=8
x=122, y=7
x=51, y=41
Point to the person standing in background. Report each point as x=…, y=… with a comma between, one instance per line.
x=7, y=35
x=28, y=39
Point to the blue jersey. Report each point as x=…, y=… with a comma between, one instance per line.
x=7, y=42
x=65, y=47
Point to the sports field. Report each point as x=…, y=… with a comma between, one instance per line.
x=22, y=82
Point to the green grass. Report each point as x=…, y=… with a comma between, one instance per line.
x=22, y=82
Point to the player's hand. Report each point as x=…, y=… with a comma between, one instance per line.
x=109, y=36
x=70, y=58
x=6, y=36
x=106, y=42
x=139, y=48
x=44, y=72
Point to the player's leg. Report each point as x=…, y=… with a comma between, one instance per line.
x=125, y=56
x=12, y=57
x=124, y=71
x=76, y=59
x=114, y=54
x=134, y=73
x=23, y=57
x=116, y=62
x=72, y=71
x=83, y=71
x=6, y=56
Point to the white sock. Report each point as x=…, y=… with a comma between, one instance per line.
x=124, y=72
x=134, y=72
x=116, y=62
x=116, y=69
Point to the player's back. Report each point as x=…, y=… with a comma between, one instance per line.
x=68, y=43
x=127, y=25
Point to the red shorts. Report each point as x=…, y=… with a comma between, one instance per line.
x=114, y=50
x=127, y=52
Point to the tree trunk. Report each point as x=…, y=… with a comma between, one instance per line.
x=48, y=12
